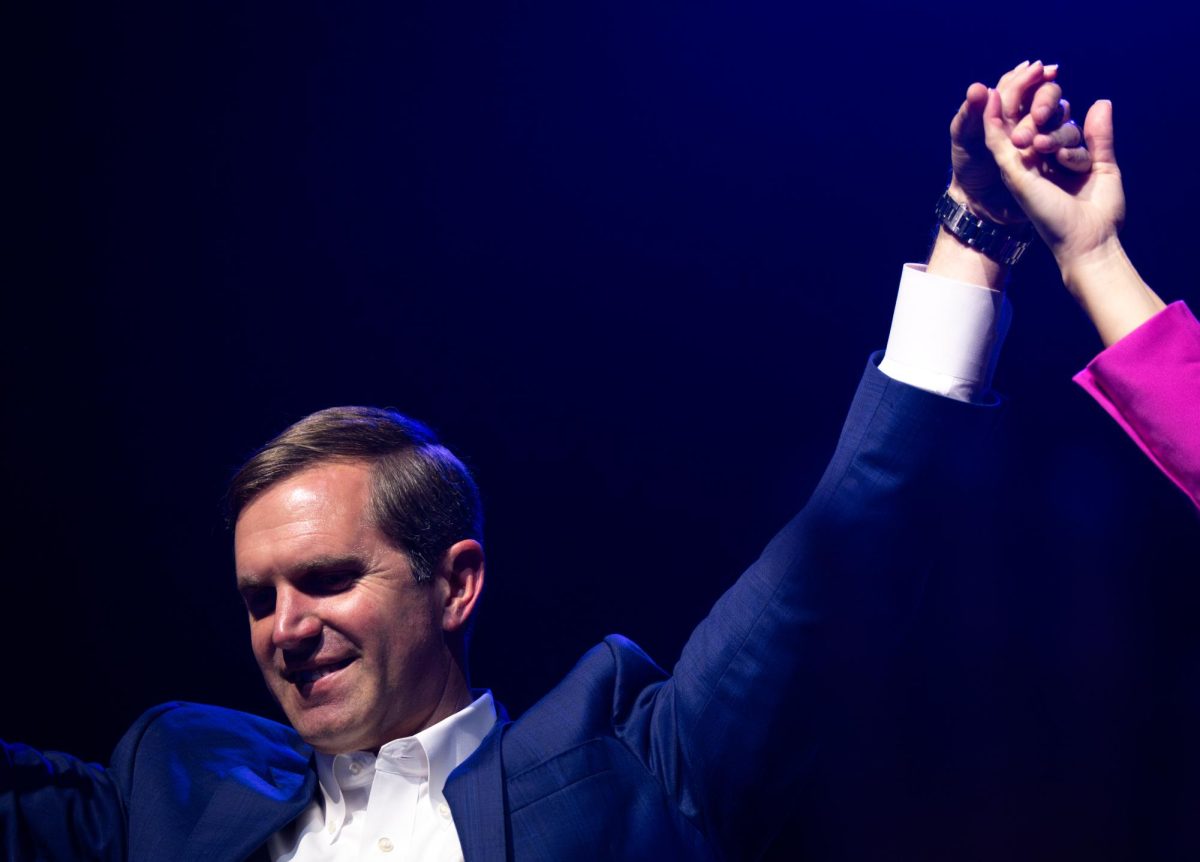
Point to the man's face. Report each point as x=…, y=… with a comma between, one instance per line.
x=348, y=643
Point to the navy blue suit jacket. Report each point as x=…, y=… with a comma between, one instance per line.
x=620, y=760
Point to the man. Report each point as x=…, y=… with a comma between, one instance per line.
x=359, y=557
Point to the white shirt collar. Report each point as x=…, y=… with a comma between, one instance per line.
x=431, y=754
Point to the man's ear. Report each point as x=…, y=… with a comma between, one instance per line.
x=460, y=576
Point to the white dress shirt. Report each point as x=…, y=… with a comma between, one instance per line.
x=945, y=338
x=387, y=806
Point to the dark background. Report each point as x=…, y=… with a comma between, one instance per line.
x=629, y=260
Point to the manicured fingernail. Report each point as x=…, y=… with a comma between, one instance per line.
x=1053, y=67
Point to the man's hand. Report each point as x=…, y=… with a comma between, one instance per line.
x=1031, y=111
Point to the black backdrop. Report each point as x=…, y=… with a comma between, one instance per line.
x=612, y=253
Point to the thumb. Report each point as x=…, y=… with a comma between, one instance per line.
x=967, y=126
x=1098, y=132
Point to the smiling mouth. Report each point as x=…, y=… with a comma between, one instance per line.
x=311, y=675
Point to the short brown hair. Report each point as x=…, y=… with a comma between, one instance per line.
x=423, y=498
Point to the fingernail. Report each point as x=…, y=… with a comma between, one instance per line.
x=1053, y=67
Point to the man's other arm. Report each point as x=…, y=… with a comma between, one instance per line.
x=56, y=807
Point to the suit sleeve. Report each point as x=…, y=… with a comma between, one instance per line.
x=730, y=731
x=56, y=807
x=1149, y=382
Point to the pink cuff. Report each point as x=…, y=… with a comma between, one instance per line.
x=1149, y=382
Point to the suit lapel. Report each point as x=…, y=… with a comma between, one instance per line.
x=476, y=793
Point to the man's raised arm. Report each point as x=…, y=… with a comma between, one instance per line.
x=787, y=653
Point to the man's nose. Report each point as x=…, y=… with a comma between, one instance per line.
x=296, y=620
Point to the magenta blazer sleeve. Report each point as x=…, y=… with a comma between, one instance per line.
x=1149, y=381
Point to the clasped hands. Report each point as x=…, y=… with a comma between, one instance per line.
x=1017, y=156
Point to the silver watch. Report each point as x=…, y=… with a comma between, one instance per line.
x=1002, y=243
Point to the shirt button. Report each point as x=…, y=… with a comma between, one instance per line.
x=444, y=810
x=384, y=845
x=355, y=768
x=332, y=827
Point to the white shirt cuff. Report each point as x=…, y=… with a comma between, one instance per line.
x=946, y=335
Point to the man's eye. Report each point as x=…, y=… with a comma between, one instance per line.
x=259, y=603
x=334, y=582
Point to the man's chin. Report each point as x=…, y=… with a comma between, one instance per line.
x=330, y=727
x=329, y=734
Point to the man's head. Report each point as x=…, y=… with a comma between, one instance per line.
x=422, y=497
x=357, y=546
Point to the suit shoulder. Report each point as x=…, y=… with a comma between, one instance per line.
x=180, y=730
x=593, y=700
x=181, y=762
x=181, y=717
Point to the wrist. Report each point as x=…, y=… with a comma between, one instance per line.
x=950, y=259
x=1084, y=271
x=979, y=206
x=1002, y=244
x=1106, y=285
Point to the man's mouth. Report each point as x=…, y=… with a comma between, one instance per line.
x=307, y=676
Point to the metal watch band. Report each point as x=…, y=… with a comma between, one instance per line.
x=1002, y=243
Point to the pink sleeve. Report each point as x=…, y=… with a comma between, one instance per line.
x=1149, y=382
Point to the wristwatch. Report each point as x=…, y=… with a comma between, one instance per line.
x=1002, y=243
